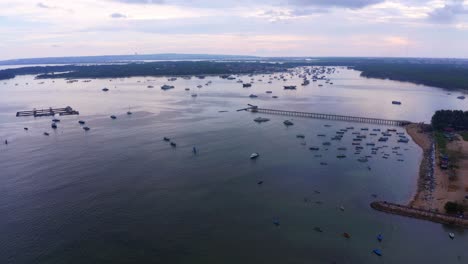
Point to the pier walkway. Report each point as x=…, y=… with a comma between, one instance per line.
x=419, y=214
x=376, y=121
x=48, y=112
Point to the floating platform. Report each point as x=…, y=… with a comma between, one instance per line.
x=408, y=211
x=48, y=112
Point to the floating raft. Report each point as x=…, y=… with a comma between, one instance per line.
x=419, y=214
x=48, y=112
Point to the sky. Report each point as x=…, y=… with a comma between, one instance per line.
x=376, y=28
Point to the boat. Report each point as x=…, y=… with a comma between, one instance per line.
x=274, y=96
x=326, y=143
x=86, y=128
x=167, y=87
x=113, y=117
x=290, y=87
x=380, y=237
x=342, y=208
x=341, y=156
x=105, y=89
x=254, y=155
x=246, y=85
x=173, y=144
x=314, y=148
x=260, y=182
x=363, y=160
x=26, y=129
x=396, y=102
x=81, y=122
x=377, y=252
x=194, y=150
x=269, y=92
x=346, y=235
x=150, y=86
x=276, y=222
x=194, y=95
x=54, y=126
x=318, y=229
x=55, y=120
x=187, y=89
x=300, y=136
x=461, y=97
x=166, y=139
x=46, y=134
x=305, y=82
x=253, y=96
x=451, y=235
x=288, y=123
x=323, y=163
x=261, y=119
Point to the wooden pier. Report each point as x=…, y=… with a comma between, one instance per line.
x=48, y=112
x=376, y=121
x=408, y=211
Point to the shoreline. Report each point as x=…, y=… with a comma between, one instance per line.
x=436, y=186
x=421, y=198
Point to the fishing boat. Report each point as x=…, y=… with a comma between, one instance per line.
x=288, y=123
x=167, y=87
x=380, y=237
x=261, y=119
x=254, y=155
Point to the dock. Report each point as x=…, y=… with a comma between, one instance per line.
x=48, y=112
x=369, y=120
x=409, y=211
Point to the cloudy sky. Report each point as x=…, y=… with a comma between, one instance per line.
x=414, y=28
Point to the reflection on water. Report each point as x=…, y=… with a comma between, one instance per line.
x=120, y=193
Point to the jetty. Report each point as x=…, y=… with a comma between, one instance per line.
x=48, y=112
x=409, y=211
x=369, y=120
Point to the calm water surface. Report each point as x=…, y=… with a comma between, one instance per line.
x=118, y=193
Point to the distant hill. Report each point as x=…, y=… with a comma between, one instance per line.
x=124, y=58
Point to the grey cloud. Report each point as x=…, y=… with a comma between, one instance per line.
x=42, y=5
x=337, y=3
x=233, y=3
x=118, y=15
x=448, y=13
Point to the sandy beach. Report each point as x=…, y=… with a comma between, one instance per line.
x=441, y=186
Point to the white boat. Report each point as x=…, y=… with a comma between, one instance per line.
x=451, y=235
x=254, y=155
